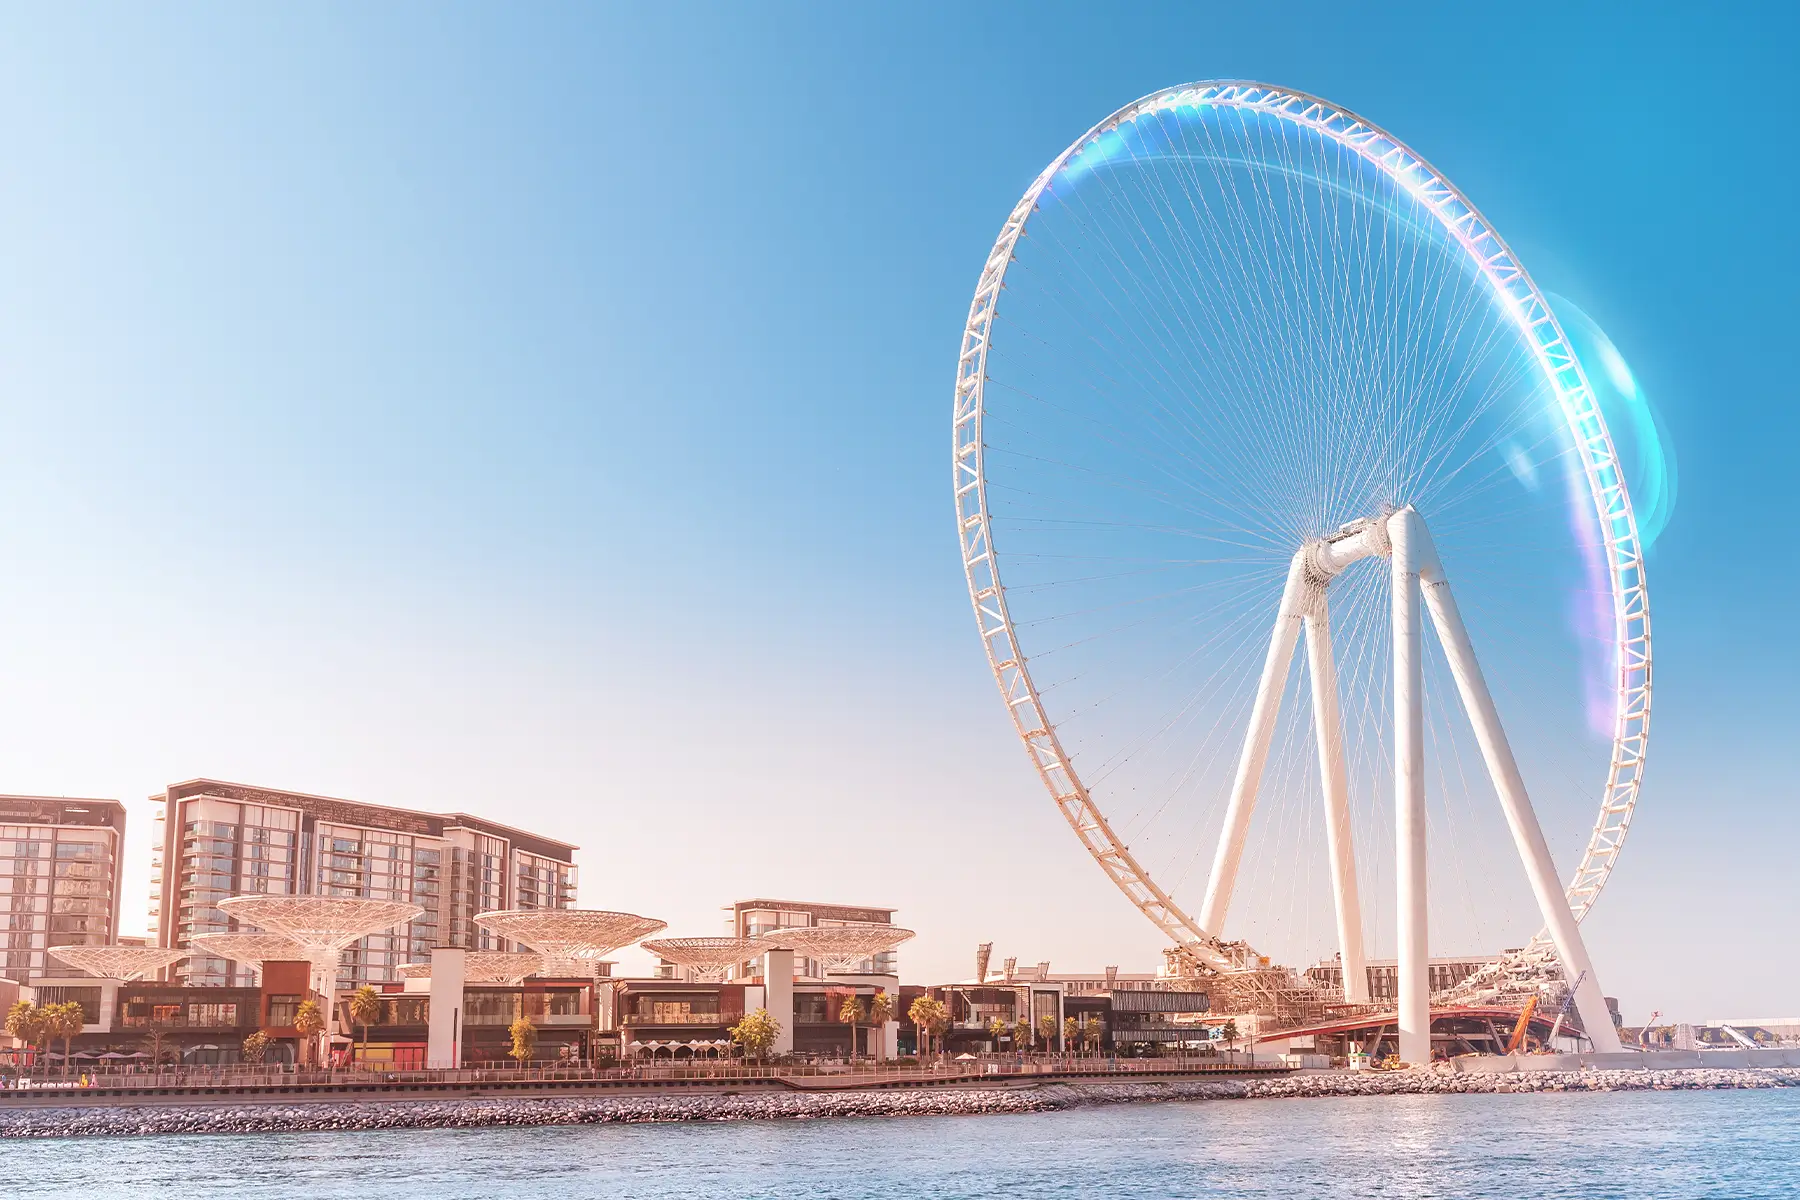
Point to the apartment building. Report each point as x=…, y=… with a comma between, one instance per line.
x=59, y=878
x=222, y=839
x=754, y=918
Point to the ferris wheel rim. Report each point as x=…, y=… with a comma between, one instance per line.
x=1556, y=360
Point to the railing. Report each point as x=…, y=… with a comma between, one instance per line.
x=987, y=1068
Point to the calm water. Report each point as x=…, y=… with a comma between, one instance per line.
x=1677, y=1144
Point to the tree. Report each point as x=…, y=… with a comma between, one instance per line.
x=881, y=1011
x=1022, y=1034
x=850, y=1012
x=524, y=1040
x=997, y=1029
x=25, y=1021
x=1090, y=1032
x=256, y=1047
x=1230, y=1033
x=309, y=1023
x=63, y=1021
x=928, y=1016
x=756, y=1033
x=365, y=1010
x=1071, y=1033
x=1047, y=1031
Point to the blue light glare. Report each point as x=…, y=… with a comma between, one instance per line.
x=1640, y=437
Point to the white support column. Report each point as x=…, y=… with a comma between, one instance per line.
x=1521, y=819
x=1336, y=785
x=443, y=1046
x=778, y=982
x=1409, y=791
x=1294, y=603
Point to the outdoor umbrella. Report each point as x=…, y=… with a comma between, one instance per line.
x=965, y=1058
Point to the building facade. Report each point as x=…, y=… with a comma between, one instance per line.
x=59, y=878
x=222, y=839
x=754, y=918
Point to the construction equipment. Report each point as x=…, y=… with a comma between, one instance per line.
x=1644, y=1033
x=1518, y=1033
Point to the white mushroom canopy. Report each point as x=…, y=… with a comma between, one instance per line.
x=837, y=945
x=249, y=948
x=485, y=966
x=320, y=923
x=709, y=958
x=118, y=962
x=570, y=933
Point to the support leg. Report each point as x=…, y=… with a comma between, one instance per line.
x=1404, y=533
x=1528, y=835
x=1256, y=749
x=1336, y=784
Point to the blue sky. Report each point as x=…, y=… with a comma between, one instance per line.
x=546, y=415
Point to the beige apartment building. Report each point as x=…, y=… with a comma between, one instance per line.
x=221, y=839
x=59, y=878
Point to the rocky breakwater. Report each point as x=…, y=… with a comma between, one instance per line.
x=74, y=1121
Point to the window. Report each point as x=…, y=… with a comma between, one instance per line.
x=212, y=1015
x=283, y=1010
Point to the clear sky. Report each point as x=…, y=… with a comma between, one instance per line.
x=545, y=413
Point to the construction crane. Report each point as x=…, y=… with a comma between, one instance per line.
x=1644, y=1033
x=1518, y=1033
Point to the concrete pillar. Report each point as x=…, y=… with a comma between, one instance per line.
x=1413, y=968
x=778, y=980
x=443, y=1048
x=890, y=1039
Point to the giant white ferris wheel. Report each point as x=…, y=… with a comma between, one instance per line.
x=1241, y=361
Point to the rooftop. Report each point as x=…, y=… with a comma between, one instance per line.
x=359, y=812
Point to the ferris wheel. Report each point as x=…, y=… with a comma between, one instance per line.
x=1242, y=371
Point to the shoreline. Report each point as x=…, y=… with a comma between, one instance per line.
x=262, y=1118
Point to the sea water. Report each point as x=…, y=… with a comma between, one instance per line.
x=1735, y=1144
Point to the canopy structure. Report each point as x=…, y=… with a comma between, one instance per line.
x=118, y=962
x=485, y=966
x=710, y=959
x=578, y=936
x=251, y=949
x=322, y=926
x=838, y=947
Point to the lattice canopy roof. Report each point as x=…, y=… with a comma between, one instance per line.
x=837, y=945
x=706, y=951
x=117, y=962
x=252, y=949
x=572, y=933
x=320, y=922
x=485, y=966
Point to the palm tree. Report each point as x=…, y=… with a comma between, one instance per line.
x=64, y=1021
x=928, y=1016
x=881, y=1011
x=850, y=1012
x=1071, y=1033
x=1022, y=1034
x=309, y=1023
x=997, y=1029
x=1047, y=1031
x=25, y=1021
x=365, y=1010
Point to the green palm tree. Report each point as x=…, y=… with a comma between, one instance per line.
x=25, y=1021
x=997, y=1029
x=850, y=1012
x=365, y=1010
x=64, y=1021
x=309, y=1023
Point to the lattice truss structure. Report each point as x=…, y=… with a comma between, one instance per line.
x=487, y=966
x=570, y=939
x=118, y=962
x=838, y=947
x=1234, y=968
x=252, y=949
x=708, y=959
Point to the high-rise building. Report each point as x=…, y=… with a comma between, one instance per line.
x=754, y=918
x=225, y=839
x=59, y=878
